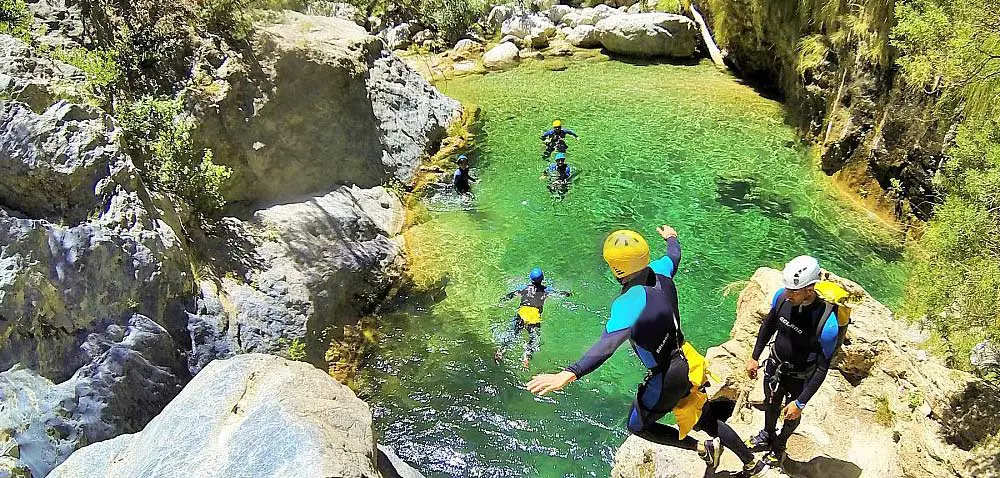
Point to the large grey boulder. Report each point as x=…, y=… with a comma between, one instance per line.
x=327, y=107
x=501, y=56
x=250, y=416
x=400, y=36
x=649, y=35
x=36, y=80
x=345, y=11
x=326, y=261
x=583, y=36
x=591, y=16
x=522, y=26
x=498, y=15
x=131, y=371
x=51, y=163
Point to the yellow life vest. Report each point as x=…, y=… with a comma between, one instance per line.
x=530, y=315
x=688, y=410
x=836, y=294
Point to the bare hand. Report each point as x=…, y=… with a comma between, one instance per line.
x=550, y=382
x=752, y=367
x=792, y=412
x=666, y=232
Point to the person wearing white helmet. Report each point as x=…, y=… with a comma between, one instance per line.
x=804, y=328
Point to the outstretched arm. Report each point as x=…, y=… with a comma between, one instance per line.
x=668, y=264
x=571, y=133
x=599, y=352
x=551, y=291
x=510, y=295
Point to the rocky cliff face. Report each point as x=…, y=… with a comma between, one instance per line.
x=887, y=409
x=111, y=299
x=267, y=417
x=835, y=73
x=367, y=119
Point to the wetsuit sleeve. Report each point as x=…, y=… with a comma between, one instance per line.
x=570, y=132
x=599, y=352
x=547, y=134
x=510, y=295
x=827, y=343
x=667, y=265
x=767, y=328
x=625, y=312
x=551, y=291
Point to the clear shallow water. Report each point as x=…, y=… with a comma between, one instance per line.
x=680, y=145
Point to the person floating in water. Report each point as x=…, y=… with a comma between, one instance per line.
x=463, y=177
x=528, y=316
x=646, y=315
x=559, y=175
x=555, y=139
x=559, y=170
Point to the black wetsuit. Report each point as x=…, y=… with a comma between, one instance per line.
x=532, y=295
x=462, y=180
x=646, y=314
x=799, y=360
x=555, y=140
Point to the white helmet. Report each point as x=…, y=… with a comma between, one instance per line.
x=803, y=271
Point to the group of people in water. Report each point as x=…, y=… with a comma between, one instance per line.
x=802, y=330
x=558, y=173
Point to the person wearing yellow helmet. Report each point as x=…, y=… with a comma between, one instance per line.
x=646, y=315
x=555, y=139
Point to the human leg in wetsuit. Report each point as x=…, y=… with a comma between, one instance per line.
x=712, y=422
x=508, y=337
x=533, y=344
x=779, y=389
x=657, y=396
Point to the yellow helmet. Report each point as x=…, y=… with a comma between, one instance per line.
x=626, y=252
x=556, y=124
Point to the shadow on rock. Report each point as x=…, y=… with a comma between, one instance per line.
x=822, y=467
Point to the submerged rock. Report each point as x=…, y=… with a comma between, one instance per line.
x=264, y=416
x=649, y=35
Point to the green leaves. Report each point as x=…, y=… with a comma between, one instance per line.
x=158, y=133
x=15, y=18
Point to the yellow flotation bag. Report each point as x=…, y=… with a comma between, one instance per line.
x=835, y=294
x=530, y=315
x=688, y=410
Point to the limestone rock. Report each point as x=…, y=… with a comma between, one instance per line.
x=367, y=117
x=524, y=25
x=400, y=36
x=266, y=417
x=592, y=16
x=326, y=261
x=583, y=36
x=557, y=12
x=345, y=11
x=501, y=56
x=498, y=16
x=649, y=35
x=132, y=371
x=34, y=79
x=466, y=49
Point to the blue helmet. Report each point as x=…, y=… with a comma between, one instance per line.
x=536, y=275
x=561, y=156
x=462, y=157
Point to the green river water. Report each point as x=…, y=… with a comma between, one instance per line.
x=661, y=144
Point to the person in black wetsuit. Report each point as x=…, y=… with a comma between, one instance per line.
x=528, y=316
x=558, y=174
x=555, y=139
x=463, y=177
x=646, y=315
x=800, y=355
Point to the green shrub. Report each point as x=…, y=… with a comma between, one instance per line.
x=158, y=134
x=296, y=350
x=15, y=18
x=100, y=66
x=883, y=412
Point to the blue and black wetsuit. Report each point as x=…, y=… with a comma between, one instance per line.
x=800, y=356
x=646, y=315
x=462, y=180
x=532, y=295
x=555, y=140
x=559, y=172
